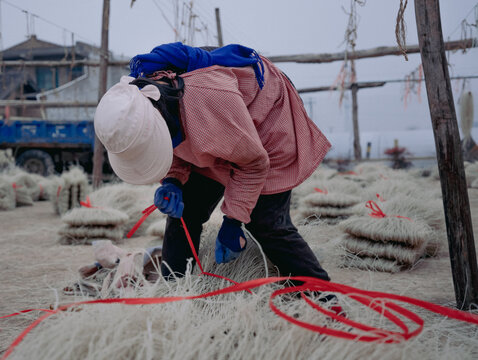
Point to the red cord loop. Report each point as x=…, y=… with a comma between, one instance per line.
x=377, y=301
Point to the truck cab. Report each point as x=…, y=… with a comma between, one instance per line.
x=46, y=147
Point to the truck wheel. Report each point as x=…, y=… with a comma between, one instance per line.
x=36, y=162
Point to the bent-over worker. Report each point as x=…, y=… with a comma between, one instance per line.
x=213, y=124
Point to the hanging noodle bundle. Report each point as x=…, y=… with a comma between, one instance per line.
x=386, y=242
x=7, y=195
x=72, y=189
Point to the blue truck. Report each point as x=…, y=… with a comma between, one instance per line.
x=45, y=146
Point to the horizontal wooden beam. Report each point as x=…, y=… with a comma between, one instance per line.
x=300, y=58
x=360, y=85
x=59, y=63
x=50, y=104
x=368, y=53
x=44, y=145
x=65, y=104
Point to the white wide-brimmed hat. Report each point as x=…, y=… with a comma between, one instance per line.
x=134, y=133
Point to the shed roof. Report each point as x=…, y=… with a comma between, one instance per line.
x=36, y=49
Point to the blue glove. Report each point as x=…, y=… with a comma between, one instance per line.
x=228, y=245
x=169, y=198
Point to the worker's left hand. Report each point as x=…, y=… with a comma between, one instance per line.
x=230, y=241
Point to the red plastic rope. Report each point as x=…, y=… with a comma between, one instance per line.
x=148, y=211
x=24, y=312
x=377, y=301
x=378, y=213
x=196, y=257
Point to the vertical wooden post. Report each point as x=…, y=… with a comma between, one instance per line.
x=449, y=156
x=357, y=148
x=219, y=28
x=98, y=156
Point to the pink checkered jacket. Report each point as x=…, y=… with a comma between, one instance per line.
x=250, y=140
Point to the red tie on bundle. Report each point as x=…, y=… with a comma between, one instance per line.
x=348, y=173
x=380, y=302
x=87, y=203
x=322, y=191
x=378, y=213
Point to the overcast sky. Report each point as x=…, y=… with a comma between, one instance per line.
x=273, y=27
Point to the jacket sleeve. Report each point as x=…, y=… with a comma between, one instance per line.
x=180, y=170
x=223, y=128
x=250, y=165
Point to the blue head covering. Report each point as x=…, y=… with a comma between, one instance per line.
x=190, y=58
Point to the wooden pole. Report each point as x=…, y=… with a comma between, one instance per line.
x=450, y=163
x=357, y=148
x=220, y=43
x=98, y=156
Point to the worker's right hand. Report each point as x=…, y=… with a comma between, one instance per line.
x=230, y=241
x=169, y=198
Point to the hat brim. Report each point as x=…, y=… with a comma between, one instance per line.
x=149, y=163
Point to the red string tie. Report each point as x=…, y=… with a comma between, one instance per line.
x=322, y=191
x=87, y=203
x=378, y=213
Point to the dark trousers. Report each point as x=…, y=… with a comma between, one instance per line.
x=270, y=224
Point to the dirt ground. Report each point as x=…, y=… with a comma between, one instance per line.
x=34, y=267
